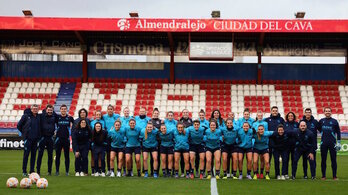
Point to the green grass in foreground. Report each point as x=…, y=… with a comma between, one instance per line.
x=11, y=162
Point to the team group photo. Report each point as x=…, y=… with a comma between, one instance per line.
x=173, y=97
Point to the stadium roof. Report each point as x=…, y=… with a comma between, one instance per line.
x=173, y=25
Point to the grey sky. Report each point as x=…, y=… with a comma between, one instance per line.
x=245, y=9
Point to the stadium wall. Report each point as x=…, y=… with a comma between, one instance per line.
x=42, y=69
x=223, y=71
x=303, y=72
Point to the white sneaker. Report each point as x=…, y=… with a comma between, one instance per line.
x=92, y=174
x=182, y=175
x=96, y=174
x=249, y=177
x=118, y=174
x=102, y=174
x=241, y=177
x=228, y=175
x=112, y=174
x=82, y=174
x=280, y=159
x=132, y=174
x=282, y=177
x=278, y=177
x=287, y=177
x=77, y=174
x=108, y=173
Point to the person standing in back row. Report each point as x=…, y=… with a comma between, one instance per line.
x=64, y=124
x=29, y=126
x=48, y=126
x=187, y=122
x=273, y=121
x=330, y=141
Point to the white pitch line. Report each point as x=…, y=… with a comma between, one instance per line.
x=213, y=187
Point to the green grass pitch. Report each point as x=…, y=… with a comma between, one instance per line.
x=11, y=161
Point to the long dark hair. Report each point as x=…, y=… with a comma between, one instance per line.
x=83, y=109
x=287, y=116
x=220, y=118
x=79, y=125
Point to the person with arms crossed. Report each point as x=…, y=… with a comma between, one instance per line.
x=29, y=126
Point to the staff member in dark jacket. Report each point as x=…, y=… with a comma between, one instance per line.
x=304, y=147
x=330, y=141
x=48, y=126
x=273, y=121
x=80, y=142
x=29, y=126
x=292, y=125
x=313, y=126
x=64, y=124
x=99, y=143
x=280, y=141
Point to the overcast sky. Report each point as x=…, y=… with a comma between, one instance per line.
x=244, y=9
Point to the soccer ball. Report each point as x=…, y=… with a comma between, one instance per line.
x=12, y=182
x=25, y=183
x=34, y=177
x=42, y=183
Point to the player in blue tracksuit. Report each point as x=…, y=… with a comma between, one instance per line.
x=48, y=126
x=260, y=121
x=29, y=126
x=330, y=141
x=213, y=139
x=132, y=146
x=216, y=115
x=117, y=137
x=142, y=119
x=166, y=136
x=304, y=147
x=228, y=148
x=98, y=118
x=280, y=142
x=245, y=136
x=203, y=122
x=260, y=149
x=64, y=124
x=126, y=117
x=181, y=147
x=80, y=142
x=170, y=122
x=313, y=126
x=245, y=118
x=99, y=143
x=109, y=120
x=150, y=145
x=292, y=125
x=196, y=146
x=273, y=121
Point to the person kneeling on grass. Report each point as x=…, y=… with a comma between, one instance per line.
x=167, y=149
x=213, y=138
x=80, y=142
x=245, y=136
x=181, y=147
x=99, y=143
x=117, y=136
x=150, y=145
x=261, y=150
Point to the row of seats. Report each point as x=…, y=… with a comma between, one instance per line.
x=175, y=97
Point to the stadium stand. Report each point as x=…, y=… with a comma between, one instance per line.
x=227, y=96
